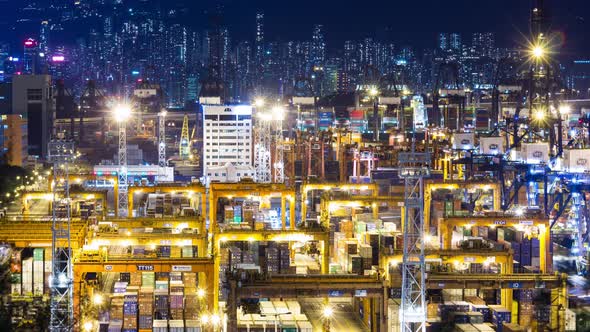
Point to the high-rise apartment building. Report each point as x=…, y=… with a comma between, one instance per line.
x=32, y=98
x=30, y=56
x=455, y=42
x=227, y=136
x=13, y=139
x=483, y=44
x=318, y=44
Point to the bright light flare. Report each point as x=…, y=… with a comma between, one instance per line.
x=539, y=115
x=278, y=113
x=259, y=102
x=373, y=92
x=88, y=326
x=122, y=112
x=538, y=51
x=565, y=109
x=97, y=299
x=328, y=312
x=215, y=320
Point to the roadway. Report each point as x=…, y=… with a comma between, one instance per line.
x=344, y=318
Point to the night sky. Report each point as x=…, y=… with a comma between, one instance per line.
x=410, y=22
x=415, y=22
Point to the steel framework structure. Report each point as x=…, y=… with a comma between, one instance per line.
x=184, y=150
x=263, y=149
x=162, y=139
x=123, y=182
x=279, y=163
x=413, y=169
x=61, y=282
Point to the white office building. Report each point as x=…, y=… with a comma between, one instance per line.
x=227, y=137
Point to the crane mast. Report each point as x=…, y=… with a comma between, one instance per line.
x=61, y=283
x=122, y=174
x=263, y=150
x=413, y=169
x=279, y=163
x=162, y=139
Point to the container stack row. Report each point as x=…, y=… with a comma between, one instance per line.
x=148, y=301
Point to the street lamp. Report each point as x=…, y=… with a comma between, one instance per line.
x=327, y=312
x=373, y=92
x=278, y=113
x=539, y=115
x=214, y=320
x=565, y=109
x=122, y=112
x=88, y=326
x=97, y=299
x=259, y=102
x=538, y=51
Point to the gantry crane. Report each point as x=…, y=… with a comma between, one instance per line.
x=61, y=152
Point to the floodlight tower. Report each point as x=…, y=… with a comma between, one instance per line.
x=279, y=164
x=263, y=148
x=122, y=114
x=413, y=169
x=162, y=139
x=263, y=142
x=61, y=153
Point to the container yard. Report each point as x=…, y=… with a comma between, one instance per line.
x=158, y=176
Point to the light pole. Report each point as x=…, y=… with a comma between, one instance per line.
x=279, y=166
x=327, y=313
x=211, y=320
x=122, y=113
x=374, y=93
x=162, y=139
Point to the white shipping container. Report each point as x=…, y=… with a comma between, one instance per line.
x=27, y=264
x=305, y=327
x=176, y=325
x=38, y=288
x=38, y=267
x=535, y=153
x=393, y=315
x=452, y=294
x=160, y=326
x=300, y=317
x=465, y=328
x=15, y=289
x=576, y=160
x=304, y=100
x=389, y=226
x=463, y=141
x=365, y=251
x=570, y=320
x=294, y=307
x=492, y=145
